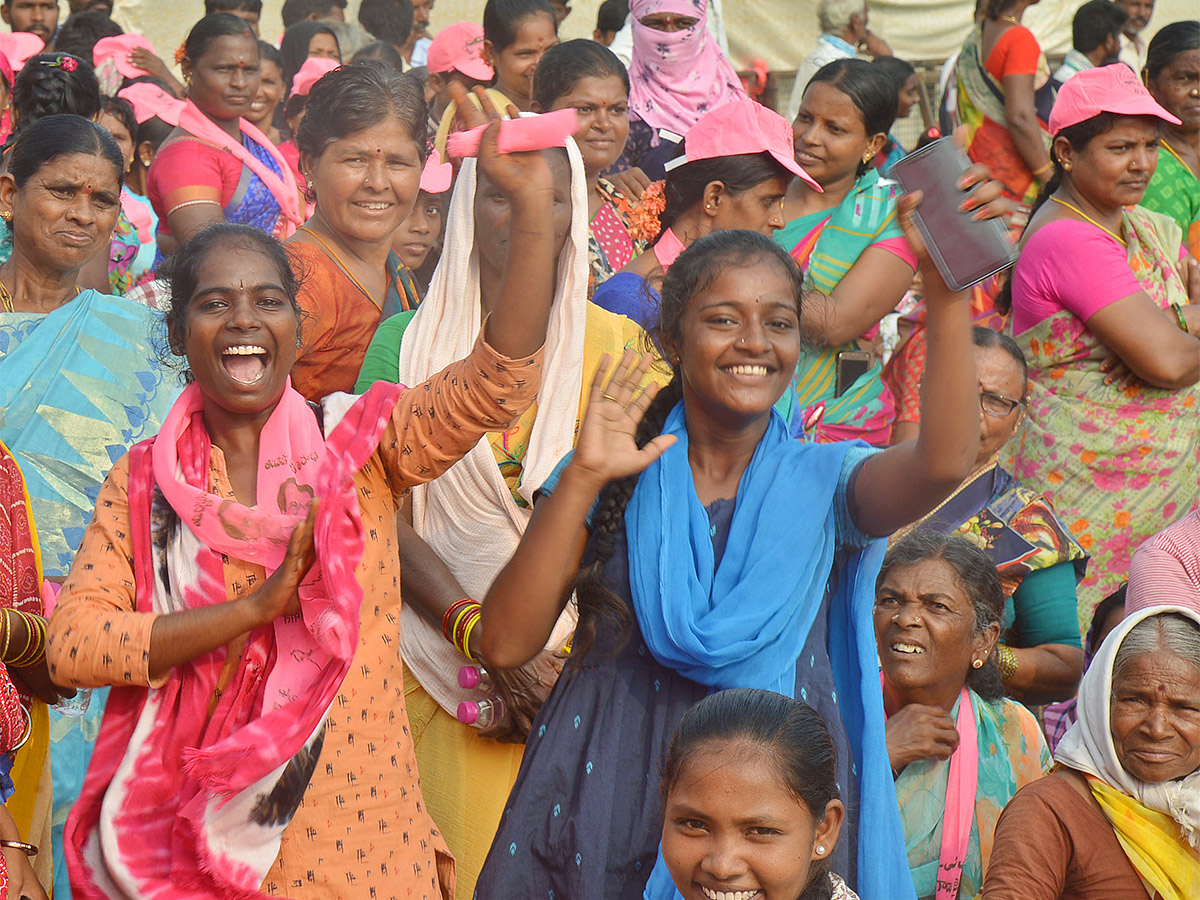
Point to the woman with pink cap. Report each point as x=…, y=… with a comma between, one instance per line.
x=731, y=171
x=217, y=166
x=1110, y=331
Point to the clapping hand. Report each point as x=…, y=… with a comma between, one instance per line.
x=607, y=448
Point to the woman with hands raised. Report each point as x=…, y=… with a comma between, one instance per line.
x=737, y=558
x=239, y=587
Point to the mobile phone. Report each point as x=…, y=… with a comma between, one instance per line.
x=964, y=251
x=851, y=366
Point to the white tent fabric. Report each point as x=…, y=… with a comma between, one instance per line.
x=778, y=31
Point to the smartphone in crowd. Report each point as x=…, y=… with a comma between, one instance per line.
x=965, y=251
x=851, y=366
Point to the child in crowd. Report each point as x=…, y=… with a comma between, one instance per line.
x=752, y=756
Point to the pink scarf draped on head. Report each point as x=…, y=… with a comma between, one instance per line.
x=679, y=76
x=282, y=187
x=190, y=788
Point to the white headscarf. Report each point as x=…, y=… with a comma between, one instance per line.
x=1088, y=745
x=468, y=515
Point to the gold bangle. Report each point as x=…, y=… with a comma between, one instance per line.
x=7, y=634
x=1006, y=659
x=35, y=650
x=28, y=640
x=27, y=849
x=1037, y=173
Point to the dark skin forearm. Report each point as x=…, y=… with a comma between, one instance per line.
x=1045, y=674
x=426, y=582
x=528, y=595
x=517, y=326
x=177, y=638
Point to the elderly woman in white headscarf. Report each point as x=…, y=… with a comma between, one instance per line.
x=469, y=522
x=1121, y=816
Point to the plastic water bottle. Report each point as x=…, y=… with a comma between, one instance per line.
x=482, y=715
x=472, y=678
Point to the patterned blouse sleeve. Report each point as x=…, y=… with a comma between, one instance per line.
x=437, y=422
x=96, y=636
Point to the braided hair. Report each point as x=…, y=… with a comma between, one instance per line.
x=695, y=269
x=52, y=84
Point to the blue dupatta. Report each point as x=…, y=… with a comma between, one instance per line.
x=743, y=624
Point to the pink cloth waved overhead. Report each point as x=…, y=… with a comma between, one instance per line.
x=676, y=77
x=517, y=135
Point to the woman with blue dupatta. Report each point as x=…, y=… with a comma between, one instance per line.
x=739, y=558
x=80, y=380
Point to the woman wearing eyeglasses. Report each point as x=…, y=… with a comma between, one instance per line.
x=1040, y=656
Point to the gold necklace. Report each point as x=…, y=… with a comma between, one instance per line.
x=345, y=268
x=1173, y=152
x=1012, y=20
x=7, y=301
x=1081, y=213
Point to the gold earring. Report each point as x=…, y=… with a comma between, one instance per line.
x=6, y=215
x=978, y=664
x=867, y=158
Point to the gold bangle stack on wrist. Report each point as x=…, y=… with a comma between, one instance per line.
x=1006, y=659
x=34, y=650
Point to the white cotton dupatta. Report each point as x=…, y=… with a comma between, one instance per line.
x=468, y=516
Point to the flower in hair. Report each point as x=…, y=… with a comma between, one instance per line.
x=644, y=222
x=66, y=62
x=180, y=53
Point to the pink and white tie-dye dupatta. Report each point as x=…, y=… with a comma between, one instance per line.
x=190, y=789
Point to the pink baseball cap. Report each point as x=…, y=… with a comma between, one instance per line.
x=742, y=126
x=310, y=73
x=460, y=46
x=1111, y=89
x=149, y=100
x=437, y=176
x=18, y=46
x=117, y=49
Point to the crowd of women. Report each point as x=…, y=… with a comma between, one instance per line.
x=532, y=475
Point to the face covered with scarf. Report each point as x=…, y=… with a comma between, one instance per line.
x=679, y=72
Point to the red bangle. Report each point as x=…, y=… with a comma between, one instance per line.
x=448, y=617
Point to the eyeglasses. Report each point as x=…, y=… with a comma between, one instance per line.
x=997, y=404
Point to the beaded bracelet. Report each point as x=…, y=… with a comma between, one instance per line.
x=448, y=617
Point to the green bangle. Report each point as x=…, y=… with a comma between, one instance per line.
x=1180, y=318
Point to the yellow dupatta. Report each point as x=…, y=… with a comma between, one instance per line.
x=1154, y=843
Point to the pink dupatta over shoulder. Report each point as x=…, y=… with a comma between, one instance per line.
x=190, y=787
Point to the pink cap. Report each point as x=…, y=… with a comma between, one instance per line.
x=435, y=179
x=310, y=73
x=1111, y=89
x=118, y=49
x=460, y=46
x=742, y=126
x=149, y=100
x=18, y=46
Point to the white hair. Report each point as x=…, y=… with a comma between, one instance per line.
x=1168, y=633
x=834, y=15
